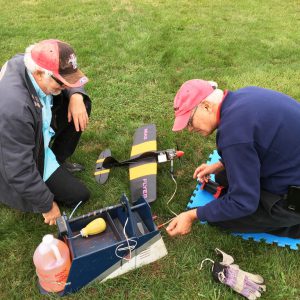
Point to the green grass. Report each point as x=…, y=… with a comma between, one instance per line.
x=137, y=54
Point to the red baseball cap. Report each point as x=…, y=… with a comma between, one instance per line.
x=190, y=94
x=59, y=58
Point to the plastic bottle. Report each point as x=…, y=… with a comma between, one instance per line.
x=52, y=261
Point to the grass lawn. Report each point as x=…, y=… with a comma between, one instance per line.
x=137, y=54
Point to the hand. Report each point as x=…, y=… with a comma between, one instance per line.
x=77, y=112
x=51, y=216
x=203, y=171
x=182, y=223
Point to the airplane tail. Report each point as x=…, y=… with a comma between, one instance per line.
x=102, y=173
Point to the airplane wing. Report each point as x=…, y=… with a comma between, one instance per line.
x=142, y=174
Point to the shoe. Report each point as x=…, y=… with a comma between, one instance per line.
x=72, y=167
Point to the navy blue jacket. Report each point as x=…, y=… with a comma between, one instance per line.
x=259, y=142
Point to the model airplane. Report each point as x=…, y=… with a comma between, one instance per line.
x=142, y=164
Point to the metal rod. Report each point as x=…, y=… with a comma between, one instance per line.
x=95, y=212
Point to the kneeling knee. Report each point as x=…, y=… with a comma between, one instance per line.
x=84, y=195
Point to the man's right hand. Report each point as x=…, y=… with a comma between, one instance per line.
x=51, y=216
x=182, y=224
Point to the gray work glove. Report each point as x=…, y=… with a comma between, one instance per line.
x=246, y=284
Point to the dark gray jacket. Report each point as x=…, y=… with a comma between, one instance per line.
x=21, y=140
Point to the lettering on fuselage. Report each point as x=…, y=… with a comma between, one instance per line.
x=145, y=188
x=145, y=134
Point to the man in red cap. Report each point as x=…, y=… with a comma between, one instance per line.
x=260, y=161
x=43, y=110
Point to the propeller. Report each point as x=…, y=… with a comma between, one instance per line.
x=179, y=156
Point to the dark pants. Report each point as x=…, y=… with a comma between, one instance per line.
x=66, y=137
x=67, y=189
x=272, y=216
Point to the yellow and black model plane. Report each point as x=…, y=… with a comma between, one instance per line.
x=142, y=164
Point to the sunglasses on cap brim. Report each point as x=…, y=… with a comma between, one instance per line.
x=57, y=80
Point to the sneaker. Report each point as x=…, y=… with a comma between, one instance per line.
x=72, y=167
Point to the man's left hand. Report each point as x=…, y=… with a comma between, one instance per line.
x=77, y=112
x=182, y=223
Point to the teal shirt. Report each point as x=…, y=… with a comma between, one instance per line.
x=51, y=163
